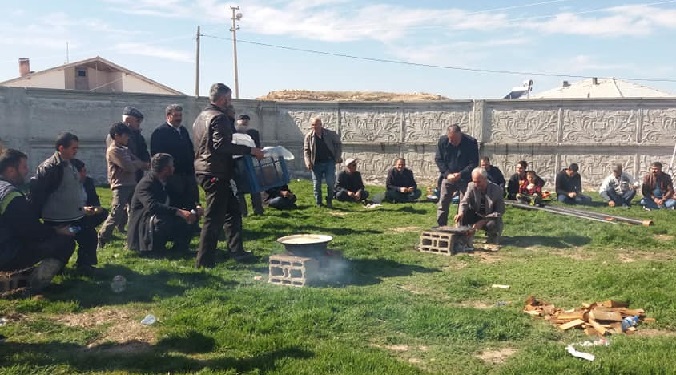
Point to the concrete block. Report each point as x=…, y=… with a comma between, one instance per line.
x=293, y=270
x=437, y=242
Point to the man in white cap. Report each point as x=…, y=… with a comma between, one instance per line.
x=350, y=186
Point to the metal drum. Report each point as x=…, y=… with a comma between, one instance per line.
x=306, y=245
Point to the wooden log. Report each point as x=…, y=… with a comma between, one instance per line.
x=598, y=314
x=569, y=325
x=599, y=328
x=569, y=316
x=612, y=303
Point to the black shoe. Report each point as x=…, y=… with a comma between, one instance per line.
x=329, y=204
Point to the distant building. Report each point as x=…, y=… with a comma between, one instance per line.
x=95, y=74
x=598, y=88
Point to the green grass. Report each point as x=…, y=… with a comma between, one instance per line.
x=402, y=312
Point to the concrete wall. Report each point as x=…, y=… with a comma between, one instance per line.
x=548, y=133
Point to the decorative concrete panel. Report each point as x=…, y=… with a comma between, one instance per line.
x=644, y=162
x=428, y=126
x=371, y=125
x=659, y=126
x=599, y=126
x=524, y=126
x=294, y=123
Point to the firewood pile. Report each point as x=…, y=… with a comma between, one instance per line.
x=597, y=319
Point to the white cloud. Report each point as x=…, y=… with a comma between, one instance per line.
x=141, y=49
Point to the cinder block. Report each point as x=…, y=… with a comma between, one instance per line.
x=14, y=281
x=293, y=270
x=437, y=242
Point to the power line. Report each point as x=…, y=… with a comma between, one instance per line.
x=448, y=67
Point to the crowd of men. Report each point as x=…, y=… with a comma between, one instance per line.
x=155, y=194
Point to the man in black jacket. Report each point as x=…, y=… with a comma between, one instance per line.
x=212, y=137
x=401, y=186
x=350, y=186
x=95, y=215
x=152, y=221
x=256, y=202
x=457, y=155
x=24, y=240
x=172, y=138
x=56, y=193
x=569, y=186
x=494, y=173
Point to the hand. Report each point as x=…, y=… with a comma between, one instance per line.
x=453, y=177
x=188, y=216
x=350, y=194
x=89, y=210
x=199, y=210
x=284, y=193
x=409, y=189
x=64, y=230
x=657, y=201
x=257, y=153
x=480, y=224
x=309, y=166
x=357, y=196
x=402, y=189
x=457, y=218
x=572, y=194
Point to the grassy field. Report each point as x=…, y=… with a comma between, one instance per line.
x=402, y=312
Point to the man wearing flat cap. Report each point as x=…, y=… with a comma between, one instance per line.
x=350, y=186
x=242, y=127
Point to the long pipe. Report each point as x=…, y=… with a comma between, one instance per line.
x=607, y=217
x=565, y=213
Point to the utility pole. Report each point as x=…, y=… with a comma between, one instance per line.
x=197, y=63
x=235, y=17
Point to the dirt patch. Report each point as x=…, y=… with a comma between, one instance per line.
x=636, y=255
x=338, y=213
x=496, y=357
x=348, y=96
x=120, y=327
x=575, y=254
x=476, y=305
x=663, y=237
x=652, y=332
x=406, y=229
x=486, y=257
x=420, y=290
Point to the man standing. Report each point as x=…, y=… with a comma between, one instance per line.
x=122, y=168
x=482, y=206
x=400, y=184
x=494, y=173
x=212, y=132
x=172, y=138
x=153, y=222
x=137, y=145
x=242, y=127
x=457, y=154
x=657, y=189
x=56, y=193
x=24, y=240
x=617, y=189
x=350, y=186
x=569, y=186
x=322, y=149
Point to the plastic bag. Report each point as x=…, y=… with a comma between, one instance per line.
x=278, y=151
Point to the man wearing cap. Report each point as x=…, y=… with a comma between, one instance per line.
x=172, y=138
x=569, y=186
x=350, y=186
x=457, y=154
x=212, y=137
x=322, y=149
x=256, y=201
x=617, y=188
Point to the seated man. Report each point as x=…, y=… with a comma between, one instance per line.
x=657, y=189
x=482, y=206
x=518, y=178
x=494, y=173
x=401, y=186
x=569, y=186
x=350, y=187
x=152, y=221
x=56, y=192
x=24, y=240
x=617, y=189
x=280, y=198
x=95, y=215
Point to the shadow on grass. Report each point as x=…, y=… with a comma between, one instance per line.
x=138, y=357
x=372, y=271
x=139, y=287
x=559, y=242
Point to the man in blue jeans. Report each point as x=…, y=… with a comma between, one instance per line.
x=569, y=186
x=322, y=149
x=657, y=189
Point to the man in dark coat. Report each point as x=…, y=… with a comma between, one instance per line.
x=494, y=173
x=212, y=137
x=569, y=186
x=256, y=202
x=350, y=186
x=153, y=222
x=281, y=198
x=400, y=184
x=457, y=155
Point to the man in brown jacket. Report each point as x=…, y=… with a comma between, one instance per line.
x=122, y=168
x=322, y=149
x=657, y=189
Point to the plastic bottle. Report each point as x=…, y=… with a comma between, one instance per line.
x=149, y=320
x=118, y=284
x=629, y=322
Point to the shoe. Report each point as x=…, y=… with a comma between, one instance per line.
x=329, y=204
x=646, y=208
x=88, y=271
x=625, y=206
x=243, y=257
x=43, y=274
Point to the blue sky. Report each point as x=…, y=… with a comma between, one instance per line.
x=622, y=39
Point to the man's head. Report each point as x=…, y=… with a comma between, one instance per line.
x=617, y=170
x=572, y=169
x=317, y=125
x=400, y=164
x=120, y=132
x=79, y=165
x=67, y=145
x=220, y=95
x=521, y=167
x=242, y=123
x=480, y=178
x=485, y=162
x=656, y=168
x=13, y=166
x=132, y=117
x=351, y=165
x=162, y=165
x=174, y=113
x=454, y=134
